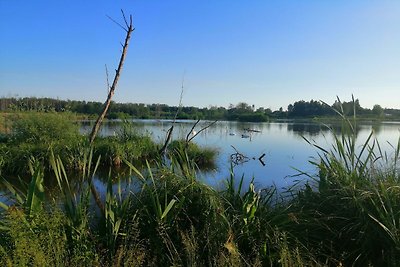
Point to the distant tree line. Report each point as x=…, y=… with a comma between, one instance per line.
x=239, y=112
x=317, y=108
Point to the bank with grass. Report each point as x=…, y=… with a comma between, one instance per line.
x=35, y=135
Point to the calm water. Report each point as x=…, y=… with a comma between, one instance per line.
x=285, y=150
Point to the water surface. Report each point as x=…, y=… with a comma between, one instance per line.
x=286, y=151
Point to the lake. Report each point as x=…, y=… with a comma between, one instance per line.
x=282, y=143
x=286, y=152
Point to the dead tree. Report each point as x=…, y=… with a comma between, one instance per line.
x=128, y=28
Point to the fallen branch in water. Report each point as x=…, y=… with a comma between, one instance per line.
x=261, y=159
x=239, y=158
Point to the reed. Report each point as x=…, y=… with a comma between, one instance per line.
x=356, y=204
x=203, y=157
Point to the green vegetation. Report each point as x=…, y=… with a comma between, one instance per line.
x=127, y=144
x=45, y=129
x=203, y=157
x=349, y=217
x=35, y=135
x=32, y=135
x=240, y=112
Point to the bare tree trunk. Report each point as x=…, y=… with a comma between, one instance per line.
x=129, y=29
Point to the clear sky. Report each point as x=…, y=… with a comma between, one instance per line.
x=266, y=53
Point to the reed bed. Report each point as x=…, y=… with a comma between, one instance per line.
x=36, y=135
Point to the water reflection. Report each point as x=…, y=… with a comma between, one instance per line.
x=307, y=129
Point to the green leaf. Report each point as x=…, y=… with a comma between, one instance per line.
x=169, y=207
x=4, y=206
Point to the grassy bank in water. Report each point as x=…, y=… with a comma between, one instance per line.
x=34, y=135
x=203, y=157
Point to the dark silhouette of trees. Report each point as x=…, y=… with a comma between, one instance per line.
x=240, y=112
x=378, y=110
x=309, y=109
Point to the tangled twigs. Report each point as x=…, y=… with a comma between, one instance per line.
x=239, y=158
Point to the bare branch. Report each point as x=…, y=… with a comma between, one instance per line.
x=108, y=81
x=191, y=130
x=237, y=151
x=169, y=132
x=99, y=120
x=180, y=98
x=126, y=22
x=202, y=129
x=116, y=23
x=261, y=159
x=239, y=158
x=96, y=197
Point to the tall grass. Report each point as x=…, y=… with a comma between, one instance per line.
x=35, y=135
x=203, y=157
x=31, y=235
x=354, y=215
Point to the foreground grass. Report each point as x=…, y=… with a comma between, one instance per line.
x=172, y=220
x=350, y=218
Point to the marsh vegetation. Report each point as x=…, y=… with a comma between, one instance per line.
x=348, y=215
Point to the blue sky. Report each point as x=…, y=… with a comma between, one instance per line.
x=266, y=53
